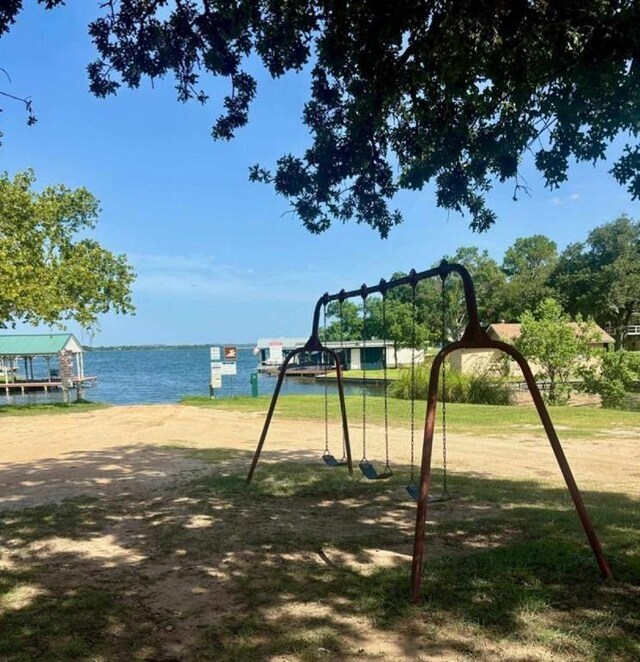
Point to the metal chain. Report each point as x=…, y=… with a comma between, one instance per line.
x=364, y=392
x=340, y=358
x=323, y=358
x=413, y=382
x=444, y=391
x=384, y=375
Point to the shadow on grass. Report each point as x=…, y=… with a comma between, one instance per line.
x=309, y=562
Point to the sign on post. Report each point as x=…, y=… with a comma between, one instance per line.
x=219, y=368
x=229, y=368
x=216, y=374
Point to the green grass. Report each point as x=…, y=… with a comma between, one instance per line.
x=463, y=418
x=534, y=583
x=508, y=568
x=50, y=408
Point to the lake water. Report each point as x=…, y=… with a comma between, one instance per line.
x=156, y=375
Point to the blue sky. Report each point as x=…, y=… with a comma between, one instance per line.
x=219, y=258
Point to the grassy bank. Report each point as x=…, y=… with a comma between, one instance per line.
x=50, y=408
x=465, y=418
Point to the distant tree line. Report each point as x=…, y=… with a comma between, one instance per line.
x=598, y=278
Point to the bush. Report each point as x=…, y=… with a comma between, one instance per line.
x=401, y=387
x=614, y=375
x=480, y=388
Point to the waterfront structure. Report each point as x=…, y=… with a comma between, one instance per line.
x=354, y=354
x=41, y=362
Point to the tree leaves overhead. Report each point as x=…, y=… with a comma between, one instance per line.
x=403, y=93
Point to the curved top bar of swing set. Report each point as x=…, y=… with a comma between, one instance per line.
x=473, y=332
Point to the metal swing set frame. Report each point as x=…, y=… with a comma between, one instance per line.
x=474, y=337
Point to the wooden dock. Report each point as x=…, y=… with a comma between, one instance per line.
x=23, y=387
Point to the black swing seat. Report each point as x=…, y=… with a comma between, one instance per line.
x=331, y=461
x=369, y=471
x=414, y=493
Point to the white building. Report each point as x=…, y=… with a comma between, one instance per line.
x=356, y=355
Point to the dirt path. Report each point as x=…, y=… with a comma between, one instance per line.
x=51, y=457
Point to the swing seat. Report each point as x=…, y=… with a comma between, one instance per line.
x=332, y=461
x=414, y=493
x=369, y=471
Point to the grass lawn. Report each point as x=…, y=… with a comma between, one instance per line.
x=465, y=418
x=50, y=408
x=309, y=564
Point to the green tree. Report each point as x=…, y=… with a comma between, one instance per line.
x=397, y=324
x=601, y=277
x=489, y=282
x=528, y=265
x=402, y=93
x=48, y=274
x=611, y=377
x=558, y=346
x=343, y=321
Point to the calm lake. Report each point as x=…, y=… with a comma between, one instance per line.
x=155, y=375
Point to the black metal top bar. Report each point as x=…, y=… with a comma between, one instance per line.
x=412, y=279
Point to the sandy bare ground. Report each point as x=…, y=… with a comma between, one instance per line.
x=110, y=451
x=139, y=453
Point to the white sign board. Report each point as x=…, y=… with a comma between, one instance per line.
x=216, y=375
x=215, y=353
x=229, y=368
x=275, y=352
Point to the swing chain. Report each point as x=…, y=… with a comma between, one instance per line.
x=383, y=290
x=340, y=358
x=445, y=491
x=412, y=394
x=364, y=385
x=323, y=358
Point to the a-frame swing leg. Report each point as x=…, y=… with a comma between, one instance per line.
x=425, y=470
x=274, y=401
x=343, y=408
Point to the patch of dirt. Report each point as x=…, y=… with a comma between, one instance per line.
x=174, y=558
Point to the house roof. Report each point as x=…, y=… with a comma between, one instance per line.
x=509, y=332
x=46, y=344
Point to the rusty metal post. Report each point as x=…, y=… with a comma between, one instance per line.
x=561, y=458
x=272, y=406
x=425, y=477
x=343, y=409
x=476, y=338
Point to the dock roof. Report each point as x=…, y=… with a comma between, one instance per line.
x=44, y=344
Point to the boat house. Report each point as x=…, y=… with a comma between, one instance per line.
x=41, y=362
x=355, y=354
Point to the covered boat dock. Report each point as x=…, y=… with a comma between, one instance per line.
x=41, y=362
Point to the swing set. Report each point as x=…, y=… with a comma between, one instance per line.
x=474, y=337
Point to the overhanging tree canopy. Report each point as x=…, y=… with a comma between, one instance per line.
x=403, y=93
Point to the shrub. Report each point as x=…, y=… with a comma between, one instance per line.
x=612, y=377
x=479, y=388
x=401, y=387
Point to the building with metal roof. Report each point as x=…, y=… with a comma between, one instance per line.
x=40, y=362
